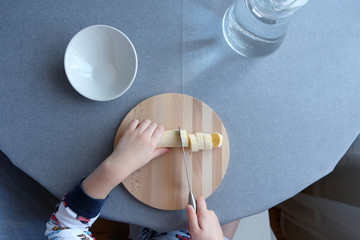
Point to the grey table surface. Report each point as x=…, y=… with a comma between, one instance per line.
x=290, y=116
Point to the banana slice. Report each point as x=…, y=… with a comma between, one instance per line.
x=208, y=141
x=200, y=140
x=194, y=147
x=184, y=138
x=217, y=139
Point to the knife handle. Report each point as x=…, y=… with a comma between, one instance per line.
x=192, y=201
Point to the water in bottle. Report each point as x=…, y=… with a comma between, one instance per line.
x=256, y=28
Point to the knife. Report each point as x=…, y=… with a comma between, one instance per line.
x=191, y=199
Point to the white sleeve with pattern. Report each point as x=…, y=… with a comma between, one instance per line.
x=65, y=224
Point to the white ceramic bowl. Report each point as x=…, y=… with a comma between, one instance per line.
x=100, y=62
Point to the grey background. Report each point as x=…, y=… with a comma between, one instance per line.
x=290, y=116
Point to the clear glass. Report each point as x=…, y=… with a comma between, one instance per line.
x=256, y=28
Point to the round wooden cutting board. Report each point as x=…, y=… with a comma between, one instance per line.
x=162, y=183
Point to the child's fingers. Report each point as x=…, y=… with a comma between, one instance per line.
x=159, y=151
x=143, y=125
x=201, y=205
x=192, y=218
x=157, y=134
x=150, y=129
x=132, y=126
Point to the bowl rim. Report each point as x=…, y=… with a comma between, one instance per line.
x=132, y=47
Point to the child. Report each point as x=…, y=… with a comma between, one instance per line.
x=79, y=209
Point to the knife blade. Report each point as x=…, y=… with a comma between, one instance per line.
x=191, y=199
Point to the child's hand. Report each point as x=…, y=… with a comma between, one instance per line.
x=135, y=149
x=136, y=146
x=203, y=225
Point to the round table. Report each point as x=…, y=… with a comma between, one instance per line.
x=289, y=116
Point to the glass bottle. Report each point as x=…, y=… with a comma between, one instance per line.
x=256, y=28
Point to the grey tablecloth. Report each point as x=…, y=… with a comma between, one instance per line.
x=25, y=206
x=290, y=116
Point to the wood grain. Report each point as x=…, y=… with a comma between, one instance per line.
x=162, y=183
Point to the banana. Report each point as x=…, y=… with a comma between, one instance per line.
x=194, y=147
x=217, y=139
x=171, y=138
x=208, y=141
x=196, y=142
x=200, y=140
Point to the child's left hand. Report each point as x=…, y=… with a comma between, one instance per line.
x=137, y=145
x=135, y=148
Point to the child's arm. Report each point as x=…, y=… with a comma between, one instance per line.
x=80, y=208
x=135, y=149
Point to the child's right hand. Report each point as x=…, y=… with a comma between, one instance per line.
x=204, y=224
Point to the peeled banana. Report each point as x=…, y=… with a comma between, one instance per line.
x=196, y=142
x=171, y=138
